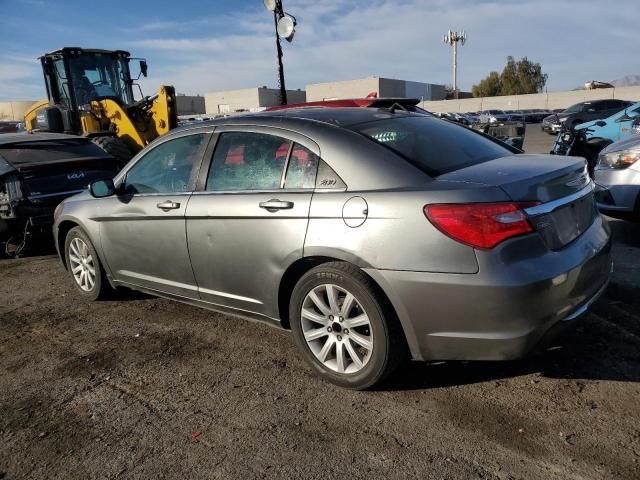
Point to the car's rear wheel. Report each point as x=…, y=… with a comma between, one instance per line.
x=84, y=265
x=344, y=327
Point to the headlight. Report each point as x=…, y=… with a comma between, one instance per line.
x=635, y=130
x=619, y=160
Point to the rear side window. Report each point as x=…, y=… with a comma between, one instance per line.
x=248, y=161
x=302, y=168
x=434, y=146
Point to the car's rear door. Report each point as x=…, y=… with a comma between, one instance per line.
x=142, y=229
x=248, y=221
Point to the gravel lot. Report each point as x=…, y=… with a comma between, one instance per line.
x=146, y=388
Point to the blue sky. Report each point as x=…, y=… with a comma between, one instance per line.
x=202, y=46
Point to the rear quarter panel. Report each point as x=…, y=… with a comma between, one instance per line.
x=394, y=234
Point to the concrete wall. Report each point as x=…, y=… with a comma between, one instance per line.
x=14, y=111
x=359, y=88
x=550, y=100
x=248, y=99
x=218, y=102
x=384, y=87
x=190, y=105
x=268, y=97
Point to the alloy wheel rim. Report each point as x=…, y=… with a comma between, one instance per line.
x=81, y=264
x=337, y=329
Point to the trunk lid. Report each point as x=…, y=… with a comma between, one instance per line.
x=527, y=178
x=54, y=168
x=561, y=185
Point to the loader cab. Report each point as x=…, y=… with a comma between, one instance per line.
x=74, y=77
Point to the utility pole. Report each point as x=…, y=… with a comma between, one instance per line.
x=283, y=89
x=285, y=25
x=452, y=38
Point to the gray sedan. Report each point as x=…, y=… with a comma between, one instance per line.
x=617, y=176
x=375, y=235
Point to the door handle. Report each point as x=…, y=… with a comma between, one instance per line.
x=275, y=205
x=168, y=205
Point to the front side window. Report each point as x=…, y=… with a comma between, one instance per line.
x=62, y=82
x=433, y=146
x=166, y=168
x=578, y=107
x=248, y=161
x=97, y=76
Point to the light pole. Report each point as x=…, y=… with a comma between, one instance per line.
x=452, y=38
x=285, y=28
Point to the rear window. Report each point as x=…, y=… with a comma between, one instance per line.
x=36, y=152
x=434, y=146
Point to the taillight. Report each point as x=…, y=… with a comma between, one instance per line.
x=480, y=225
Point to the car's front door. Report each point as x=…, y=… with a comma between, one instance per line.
x=248, y=222
x=625, y=122
x=142, y=229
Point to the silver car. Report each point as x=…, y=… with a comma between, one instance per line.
x=617, y=176
x=373, y=234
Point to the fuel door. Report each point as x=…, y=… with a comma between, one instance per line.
x=355, y=211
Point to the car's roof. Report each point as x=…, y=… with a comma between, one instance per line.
x=343, y=117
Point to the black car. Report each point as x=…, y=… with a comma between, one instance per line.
x=37, y=172
x=534, y=115
x=583, y=112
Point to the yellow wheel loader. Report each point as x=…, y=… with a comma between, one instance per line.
x=90, y=93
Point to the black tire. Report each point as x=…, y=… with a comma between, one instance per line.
x=114, y=147
x=101, y=288
x=389, y=346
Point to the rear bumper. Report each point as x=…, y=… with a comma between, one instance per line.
x=507, y=308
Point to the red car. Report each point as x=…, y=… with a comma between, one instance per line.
x=409, y=104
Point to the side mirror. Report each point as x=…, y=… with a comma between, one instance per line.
x=102, y=188
x=601, y=123
x=143, y=67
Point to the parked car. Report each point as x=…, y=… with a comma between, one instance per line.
x=472, y=117
x=9, y=127
x=369, y=233
x=616, y=127
x=38, y=171
x=583, y=112
x=535, y=115
x=493, y=116
x=514, y=116
x=617, y=177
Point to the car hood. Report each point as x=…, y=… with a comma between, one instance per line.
x=625, y=144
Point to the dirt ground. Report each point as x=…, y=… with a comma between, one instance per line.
x=146, y=388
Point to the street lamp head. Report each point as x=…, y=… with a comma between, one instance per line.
x=269, y=5
x=286, y=27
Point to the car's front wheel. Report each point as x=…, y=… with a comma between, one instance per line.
x=344, y=326
x=84, y=265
